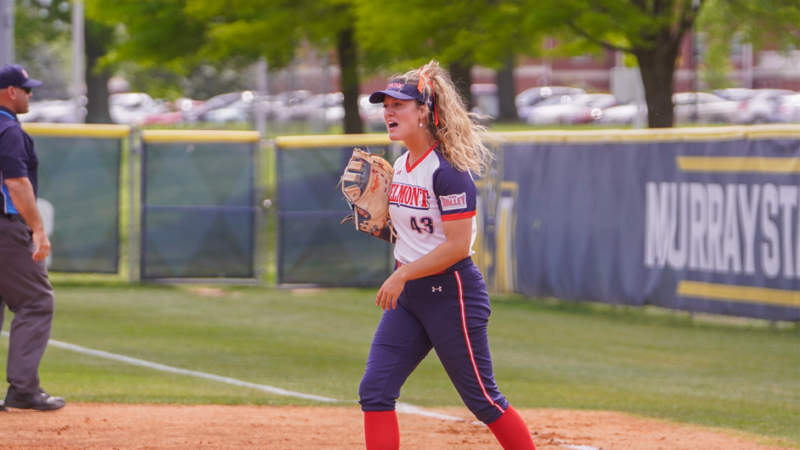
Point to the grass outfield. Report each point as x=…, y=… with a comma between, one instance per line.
x=732, y=373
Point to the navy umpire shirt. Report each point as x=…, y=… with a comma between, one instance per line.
x=17, y=156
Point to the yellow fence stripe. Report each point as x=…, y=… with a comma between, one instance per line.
x=76, y=130
x=771, y=131
x=574, y=136
x=337, y=140
x=738, y=164
x=746, y=294
x=199, y=136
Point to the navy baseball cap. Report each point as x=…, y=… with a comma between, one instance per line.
x=398, y=89
x=15, y=75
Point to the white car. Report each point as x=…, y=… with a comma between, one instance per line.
x=788, y=110
x=621, y=114
x=703, y=107
x=133, y=107
x=371, y=114
x=761, y=105
x=53, y=111
x=529, y=99
x=567, y=109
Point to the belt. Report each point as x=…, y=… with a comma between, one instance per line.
x=13, y=217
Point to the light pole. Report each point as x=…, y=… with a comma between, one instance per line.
x=6, y=31
x=78, y=87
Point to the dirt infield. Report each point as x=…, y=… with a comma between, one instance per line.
x=104, y=426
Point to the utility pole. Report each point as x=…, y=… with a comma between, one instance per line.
x=6, y=31
x=747, y=65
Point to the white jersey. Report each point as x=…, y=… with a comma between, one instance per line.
x=424, y=195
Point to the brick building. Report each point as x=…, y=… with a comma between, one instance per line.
x=764, y=69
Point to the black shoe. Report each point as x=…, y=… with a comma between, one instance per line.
x=40, y=401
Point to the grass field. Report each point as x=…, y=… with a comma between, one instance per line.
x=731, y=373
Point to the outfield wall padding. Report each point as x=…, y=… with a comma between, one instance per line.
x=78, y=196
x=704, y=220
x=198, y=215
x=313, y=248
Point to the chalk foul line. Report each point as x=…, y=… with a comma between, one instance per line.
x=402, y=408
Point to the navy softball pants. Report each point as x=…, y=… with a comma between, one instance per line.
x=450, y=313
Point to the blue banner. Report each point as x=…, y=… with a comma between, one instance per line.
x=707, y=225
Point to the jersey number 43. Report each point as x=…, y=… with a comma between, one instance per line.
x=426, y=222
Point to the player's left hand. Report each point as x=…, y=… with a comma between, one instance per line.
x=390, y=291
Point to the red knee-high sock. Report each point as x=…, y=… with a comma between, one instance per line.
x=511, y=431
x=381, y=430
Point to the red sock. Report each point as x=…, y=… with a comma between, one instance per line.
x=511, y=431
x=381, y=430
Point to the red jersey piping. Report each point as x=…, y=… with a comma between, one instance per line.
x=421, y=158
x=463, y=215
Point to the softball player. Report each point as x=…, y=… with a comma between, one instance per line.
x=436, y=298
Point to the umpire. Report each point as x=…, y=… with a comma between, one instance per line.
x=24, y=285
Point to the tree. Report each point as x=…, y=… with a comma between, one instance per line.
x=723, y=21
x=459, y=34
x=182, y=34
x=42, y=43
x=652, y=31
x=97, y=37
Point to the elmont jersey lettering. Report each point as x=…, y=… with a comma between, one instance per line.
x=424, y=195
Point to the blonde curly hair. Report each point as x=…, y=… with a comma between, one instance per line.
x=458, y=130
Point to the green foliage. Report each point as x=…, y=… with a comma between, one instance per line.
x=716, y=65
x=38, y=22
x=399, y=35
x=626, y=24
x=767, y=24
x=732, y=373
x=42, y=44
x=155, y=32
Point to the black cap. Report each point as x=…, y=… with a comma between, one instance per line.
x=15, y=75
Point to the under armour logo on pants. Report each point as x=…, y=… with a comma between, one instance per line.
x=434, y=289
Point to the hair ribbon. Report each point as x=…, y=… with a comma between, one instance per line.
x=422, y=77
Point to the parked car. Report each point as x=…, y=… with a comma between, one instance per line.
x=53, y=111
x=788, y=110
x=735, y=94
x=484, y=99
x=371, y=114
x=760, y=106
x=165, y=118
x=322, y=106
x=132, y=107
x=530, y=98
x=703, y=107
x=567, y=109
x=199, y=112
x=286, y=105
x=621, y=114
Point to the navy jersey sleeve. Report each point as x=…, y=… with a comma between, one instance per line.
x=12, y=153
x=456, y=193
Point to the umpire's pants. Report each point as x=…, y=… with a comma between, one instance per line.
x=26, y=289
